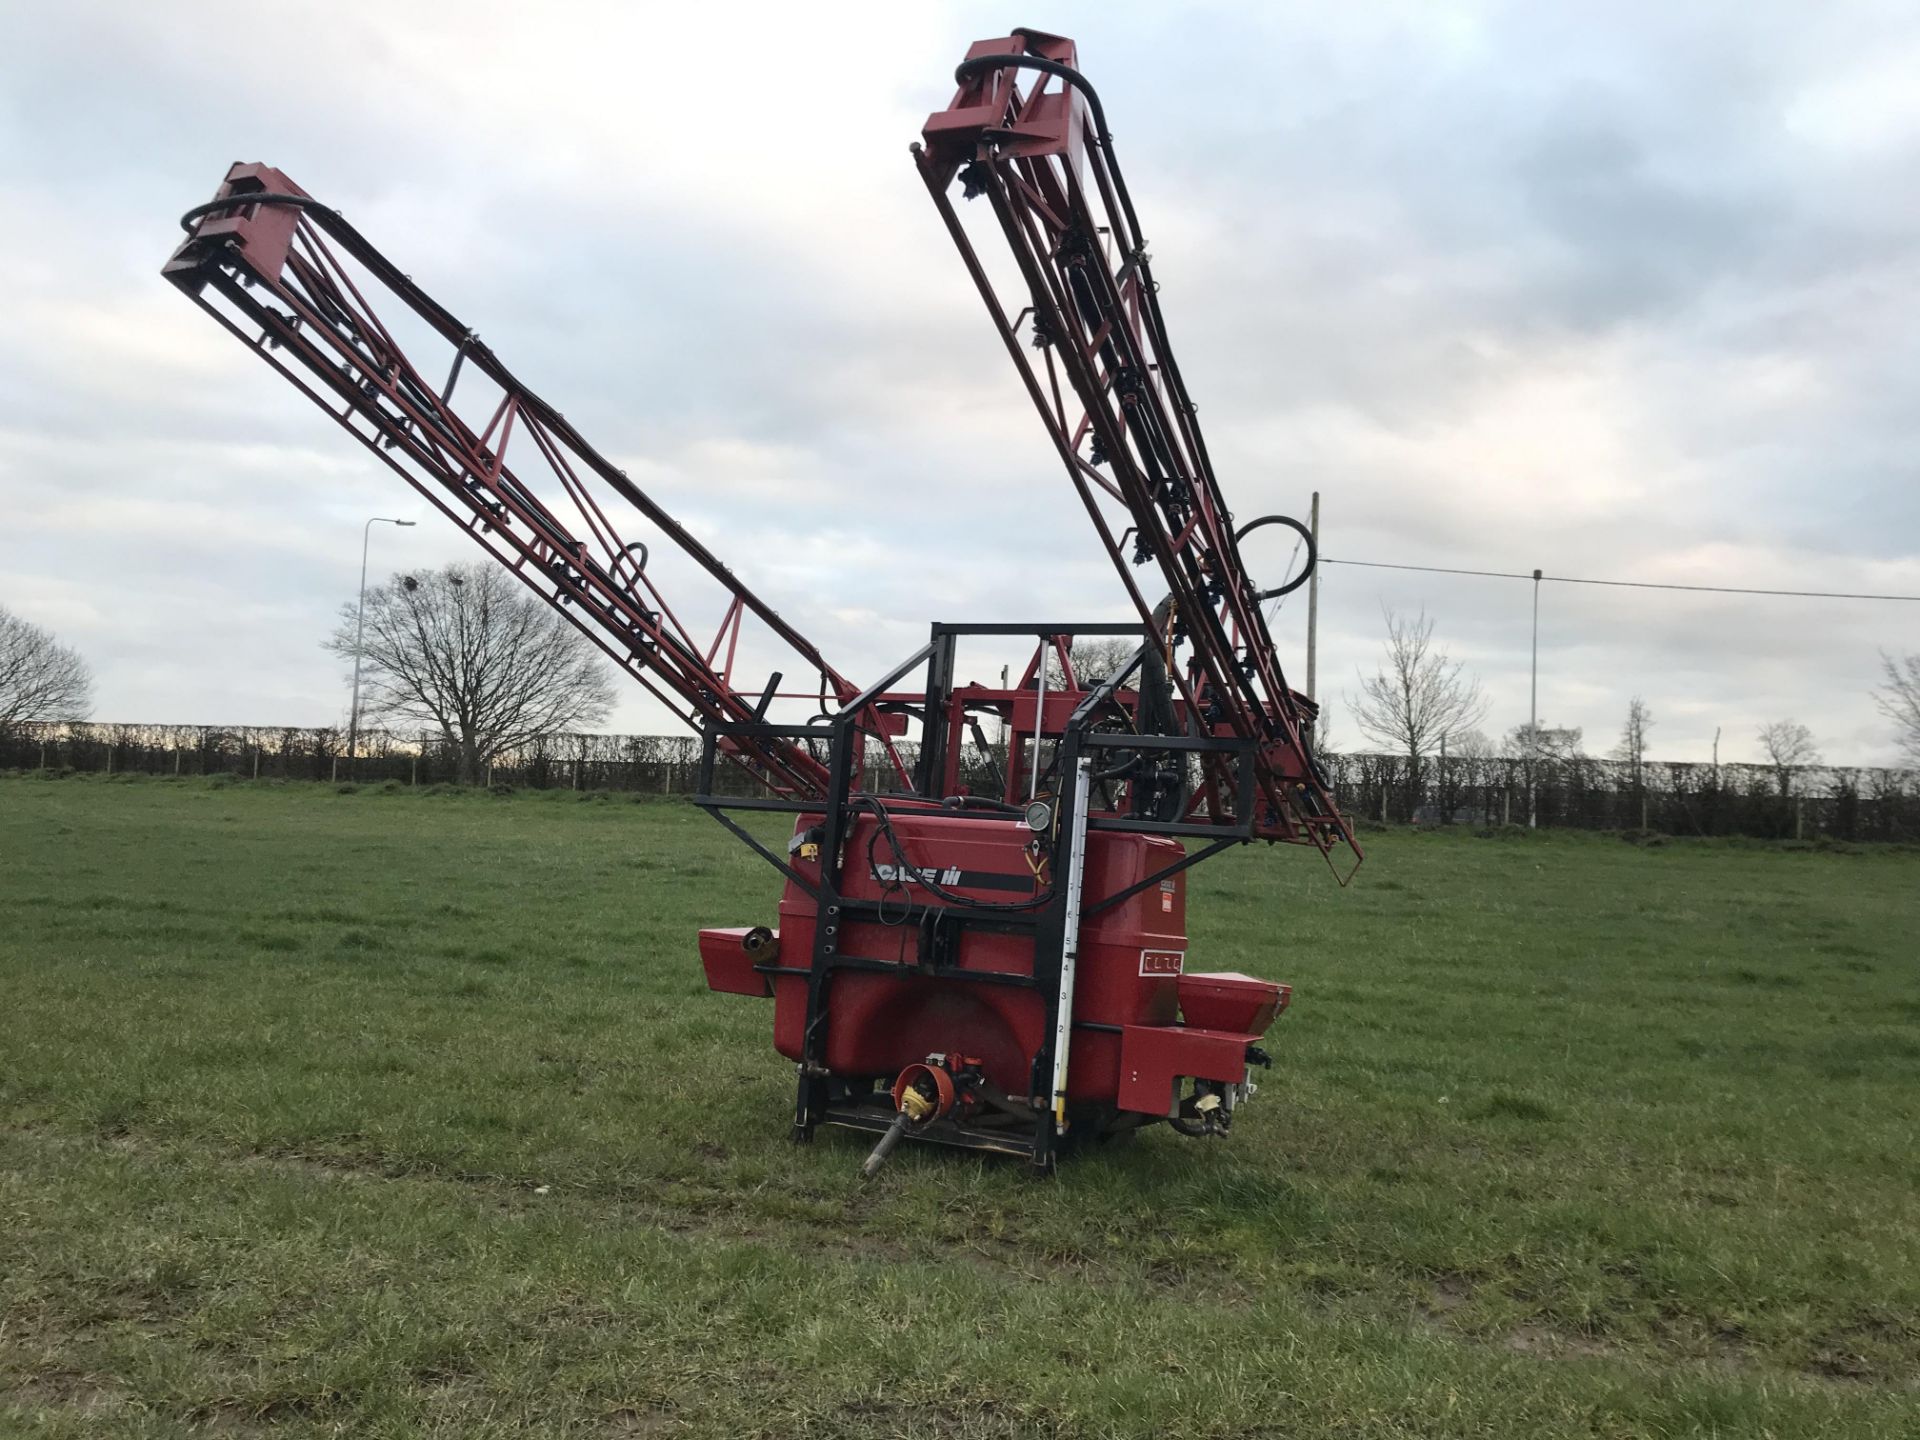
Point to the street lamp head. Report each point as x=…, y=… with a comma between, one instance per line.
x=360, y=622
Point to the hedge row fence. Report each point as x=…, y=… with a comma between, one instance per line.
x=1675, y=798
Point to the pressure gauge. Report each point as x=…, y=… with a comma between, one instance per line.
x=1039, y=816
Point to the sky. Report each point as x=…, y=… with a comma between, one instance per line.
x=1615, y=290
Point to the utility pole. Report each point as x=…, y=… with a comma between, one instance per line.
x=359, y=631
x=1533, y=712
x=1313, y=599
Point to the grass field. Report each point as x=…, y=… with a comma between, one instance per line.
x=396, y=1114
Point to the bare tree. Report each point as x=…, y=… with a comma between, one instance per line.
x=1470, y=745
x=1471, y=756
x=1542, y=748
x=1788, y=744
x=1545, y=742
x=1093, y=660
x=1418, y=697
x=469, y=653
x=1633, y=741
x=1632, y=748
x=1899, y=700
x=1323, y=742
x=1461, y=767
x=40, y=679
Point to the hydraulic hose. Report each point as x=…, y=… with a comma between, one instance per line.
x=259, y=197
x=1306, y=538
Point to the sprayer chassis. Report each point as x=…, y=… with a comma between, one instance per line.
x=921, y=930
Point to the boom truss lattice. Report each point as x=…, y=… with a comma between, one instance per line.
x=313, y=298
x=1085, y=332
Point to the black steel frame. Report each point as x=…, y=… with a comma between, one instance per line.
x=858, y=1105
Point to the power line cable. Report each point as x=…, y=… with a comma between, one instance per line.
x=1620, y=584
x=1274, y=613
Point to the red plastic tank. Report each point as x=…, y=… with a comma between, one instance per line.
x=1143, y=1027
x=1128, y=972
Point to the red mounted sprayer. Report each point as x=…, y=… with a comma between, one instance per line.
x=982, y=940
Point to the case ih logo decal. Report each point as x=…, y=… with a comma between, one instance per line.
x=1162, y=962
x=903, y=875
x=951, y=877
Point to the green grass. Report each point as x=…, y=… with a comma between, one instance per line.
x=394, y=1114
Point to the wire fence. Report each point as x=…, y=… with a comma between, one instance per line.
x=1674, y=798
x=1667, y=797
x=641, y=764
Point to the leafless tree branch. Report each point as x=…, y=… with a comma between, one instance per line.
x=1899, y=700
x=1789, y=746
x=1418, y=697
x=40, y=679
x=1633, y=741
x=468, y=653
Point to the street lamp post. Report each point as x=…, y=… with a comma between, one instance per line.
x=359, y=631
x=1533, y=713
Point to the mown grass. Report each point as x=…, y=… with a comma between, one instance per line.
x=394, y=1114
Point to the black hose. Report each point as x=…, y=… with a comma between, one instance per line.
x=258, y=197
x=981, y=64
x=905, y=867
x=981, y=802
x=1306, y=536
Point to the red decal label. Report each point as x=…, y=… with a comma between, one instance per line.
x=1161, y=962
x=1166, y=904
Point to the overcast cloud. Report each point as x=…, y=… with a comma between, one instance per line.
x=1614, y=290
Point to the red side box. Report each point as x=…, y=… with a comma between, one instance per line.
x=1226, y=1000
x=1153, y=1056
x=729, y=964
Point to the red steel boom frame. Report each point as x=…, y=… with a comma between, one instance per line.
x=270, y=264
x=1044, y=159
